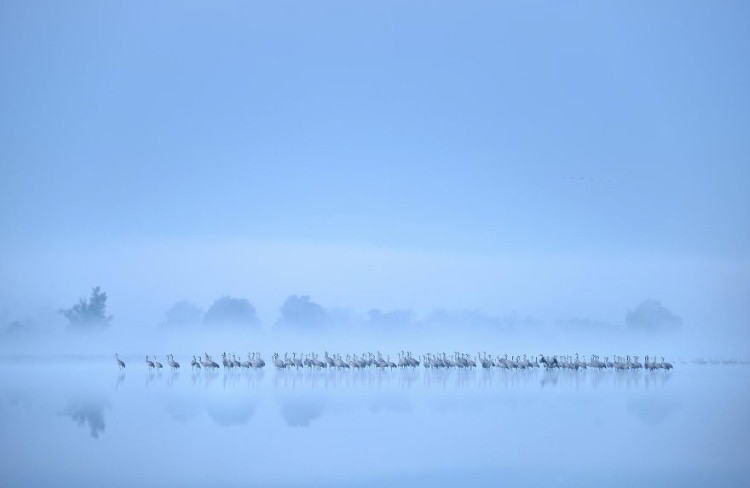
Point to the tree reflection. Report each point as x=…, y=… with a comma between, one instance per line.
x=229, y=412
x=89, y=413
x=652, y=411
x=299, y=413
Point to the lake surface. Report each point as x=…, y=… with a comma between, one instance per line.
x=84, y=423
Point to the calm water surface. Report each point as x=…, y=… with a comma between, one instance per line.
x=84, y=423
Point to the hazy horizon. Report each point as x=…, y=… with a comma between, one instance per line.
x=410, y=191
x=564, y=161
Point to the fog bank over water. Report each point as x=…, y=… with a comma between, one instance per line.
x=304, y=295
x=420, y=337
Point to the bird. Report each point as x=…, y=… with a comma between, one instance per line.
x=149, y=363
x=666, y=365
x=278, y=362
x=210, y=363
x=172, y=363
x=259, y=361
x=120, y=363
x=436, y=360
x=247, y=364
x=288, y=363
x=157, y=364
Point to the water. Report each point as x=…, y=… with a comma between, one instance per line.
x=83, y=423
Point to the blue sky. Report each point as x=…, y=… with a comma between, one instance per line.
x=606, y=133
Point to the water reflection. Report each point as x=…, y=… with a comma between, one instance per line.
x=120, y=380
x=411, y=421
x=87, y=413
x=549, y=379
x=228, y=379
x=596, y=379
x=657, y=380
x=652, y=411
x=441, y=379
x=391, y=403
x=205, y=378
x=301, y=411
x=225, y=410
x=230, y=413
x=182, y=410
x=333, y=379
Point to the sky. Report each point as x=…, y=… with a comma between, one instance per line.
x=560, y=159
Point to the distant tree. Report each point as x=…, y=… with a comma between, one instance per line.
x=299, y=310
x=231, y=311
x=651, y=315
x=389, y=318
x=183, y=313
x=16, y=330
x=473, y=318
x=16, y=327
x=89, y=314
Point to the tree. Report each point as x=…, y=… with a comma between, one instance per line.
x=183, y=313
x=652, y=316
x=299, y=310
x=390, y=318
x=231, y=311
x=89, y=314
x=17, y=330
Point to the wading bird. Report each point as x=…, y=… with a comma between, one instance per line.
x=120, y=363
x=172, y=363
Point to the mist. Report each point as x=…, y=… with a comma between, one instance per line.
x=374, y=243
x=187, y=296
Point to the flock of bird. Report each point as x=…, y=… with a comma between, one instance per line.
x=204, y=361
x=369, y=360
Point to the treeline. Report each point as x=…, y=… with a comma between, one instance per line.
x=296, y=311
x=301, y=313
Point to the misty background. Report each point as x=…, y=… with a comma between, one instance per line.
x=557, y=175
